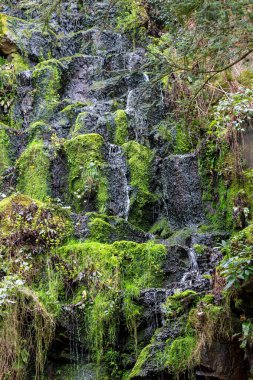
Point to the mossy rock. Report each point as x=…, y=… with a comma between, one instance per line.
x=33, y=171
x=103, y=228
x=139, y=159
x=39, y=131
x=178, y=303
x=116, y=273
x=121, y=127
x=46, y=79
x=4, y=149
x=87, y=179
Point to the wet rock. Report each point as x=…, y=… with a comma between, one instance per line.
x=119, y=229
x=182, y=190
x=222, y=361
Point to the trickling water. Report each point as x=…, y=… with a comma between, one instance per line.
x=193, y=267
x=193, y=260
x=119, y=189
x=146, y=77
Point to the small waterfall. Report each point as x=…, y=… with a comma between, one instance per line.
x=119, y=189
x=193, y=260
x=146, y=77
x=193, y=267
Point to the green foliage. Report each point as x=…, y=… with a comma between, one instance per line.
x=131, y=18
x=237, y=266
x=232, y=112
x=87, y=180
x=33, y=169
x=247, y=334
x=199, y=248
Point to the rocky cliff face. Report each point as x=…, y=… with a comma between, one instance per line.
x=102, y=221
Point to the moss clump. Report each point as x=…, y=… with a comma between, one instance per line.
x=161, y=228
x=33, y=171
x=182, y=141
x=144, y=356
x=121, y=130
x=6, y=44
x=100, y=230
x=210, y=322
x=105, y=229
x=139, y=159
x=181, y=355
x=199, y=248
x=87, y=181
x=47, y=82
x=114, y=275
x=175, y=305
x=20, y=63
x=4, y=149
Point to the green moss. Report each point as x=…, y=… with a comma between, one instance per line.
x=207, y=299
x=144, y=357
x=87, y=180
x=199, y=248
x=139, y=159
x=161, y=228
x=175, y=305
x=182, y=140
x=121, y=131
x=74, y=108
x=80, y=123
x=179, y=237
x=115, y=274
x=181, y=354
x=3, y=24
x=38, y=130
x=99, y=230
x=19, y=63
x=47, y=82
x=4, y=149
x=33, y=171
x=102, y=324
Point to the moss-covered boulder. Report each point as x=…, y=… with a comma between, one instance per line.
x=33, y=171
x=46, y=79
x=87, y=179
x=139, y=159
